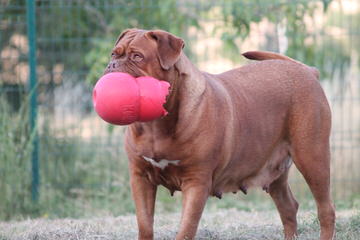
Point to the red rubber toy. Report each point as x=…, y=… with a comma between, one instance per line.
x=121, y=99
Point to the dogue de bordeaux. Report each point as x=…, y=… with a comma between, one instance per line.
x=225, y=132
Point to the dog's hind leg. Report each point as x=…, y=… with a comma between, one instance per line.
x=315, y=167
x=310, y=151
x=286, y=204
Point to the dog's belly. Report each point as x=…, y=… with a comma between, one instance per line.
x=241, y=174
x=238, y=176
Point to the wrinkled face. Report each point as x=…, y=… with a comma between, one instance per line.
x=145, y=53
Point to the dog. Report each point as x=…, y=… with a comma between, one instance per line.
x=225, y=132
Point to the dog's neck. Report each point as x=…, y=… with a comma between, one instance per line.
x=191, y=77
x=187, y=86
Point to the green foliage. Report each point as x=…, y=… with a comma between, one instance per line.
x=137, y=14
x=68, y=43
x=302, y=44
x=97, y=59
x=237, y=17
x=15, y=145
x=80, y=178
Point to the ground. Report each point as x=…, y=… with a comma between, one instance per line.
x=225, y=224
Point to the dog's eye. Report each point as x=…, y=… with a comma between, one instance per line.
x=113, y=55
x=136, y=57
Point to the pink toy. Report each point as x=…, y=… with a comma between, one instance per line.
x=121, y=99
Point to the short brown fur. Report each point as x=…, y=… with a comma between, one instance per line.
x=230, y=131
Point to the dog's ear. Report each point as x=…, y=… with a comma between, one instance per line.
x=122, y=35
x=169, y=47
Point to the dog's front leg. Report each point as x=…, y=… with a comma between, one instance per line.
x=144, y=194
x=194, y=200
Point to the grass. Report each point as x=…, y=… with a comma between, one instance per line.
x=222, y=224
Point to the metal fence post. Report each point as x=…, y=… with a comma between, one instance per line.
x=31, y=32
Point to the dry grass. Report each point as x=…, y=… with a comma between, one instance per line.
x=225, y=224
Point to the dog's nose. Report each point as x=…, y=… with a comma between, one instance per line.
x=111, y=67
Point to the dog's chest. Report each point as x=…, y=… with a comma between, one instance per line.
x=162, y=163
x=160, y=152
x=154, y=147
x=164, y=172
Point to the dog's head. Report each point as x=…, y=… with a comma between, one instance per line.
x=139, y=52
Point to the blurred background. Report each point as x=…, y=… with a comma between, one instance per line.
x=58, y=159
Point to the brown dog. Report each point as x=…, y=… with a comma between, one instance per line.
x=226, y=132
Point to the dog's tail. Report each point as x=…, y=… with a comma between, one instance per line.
x=263, y=55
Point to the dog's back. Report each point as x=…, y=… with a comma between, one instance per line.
x=263, y=55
